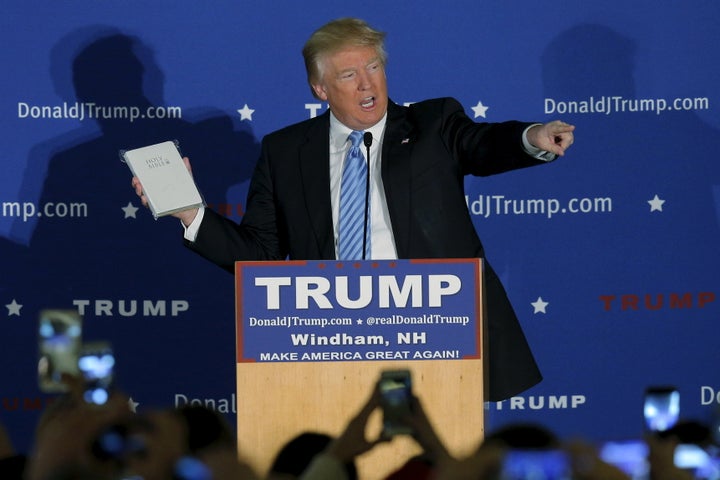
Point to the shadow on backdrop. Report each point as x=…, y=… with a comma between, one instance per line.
x=131, y=270
x=628, y=157
x=632, y=153
x=629, y=153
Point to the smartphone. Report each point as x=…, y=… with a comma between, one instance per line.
x=59, y=342
x=540, y=464
x=97, y=367
x=396, y=401
x=191, y=468
x=661, y=408
x=630, y=456
x=700, y=462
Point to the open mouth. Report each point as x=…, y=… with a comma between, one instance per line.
x=368, y=103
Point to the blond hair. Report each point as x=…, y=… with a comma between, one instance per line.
x=336, y=35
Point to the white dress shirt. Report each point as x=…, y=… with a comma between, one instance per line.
x=382, y=242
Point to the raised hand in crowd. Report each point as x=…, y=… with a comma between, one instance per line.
x=661, y=459
x=353, y=442
x=185, y=443
x=225, y=465
x=67, y=431
x=587, y=464
x=484, y=464
x=78, y=440
x=295, y=456
x=347, y=446
x=434, y=452
x=424, y=433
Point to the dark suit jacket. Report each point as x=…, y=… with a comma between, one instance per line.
x=427, y=150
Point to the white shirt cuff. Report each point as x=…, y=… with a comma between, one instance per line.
x=191, y=231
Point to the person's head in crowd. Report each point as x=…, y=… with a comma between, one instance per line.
x=205, y=428
x=434, y=453
x=578, y=458
x=212, y=442
x=663, y=445
x=483, y=464
x=419, y=467
x=487, y=461
x=689, y=431
x=345, y=63
x=179, y=442
x=294, y=457
x=523, y=435
x=356, y=440
x=164, y=439
x=66, y=435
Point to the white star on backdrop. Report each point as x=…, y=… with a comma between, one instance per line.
x=132, y=404
x=656, y=204
x=479, y=109
x=13, y=308
x=246, y=113
x=539, y=305
x=130, y=210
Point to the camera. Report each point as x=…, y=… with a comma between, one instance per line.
x=537, y=463
x=395, y=388
x=191, y=468
x=630, y=456
x=700, y=462
x=661, y=408
x=59, y=343
x=96, y=363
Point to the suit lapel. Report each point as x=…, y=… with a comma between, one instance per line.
x=396, y=173
x=314, y=158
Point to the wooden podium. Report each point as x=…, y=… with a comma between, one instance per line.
x=277, y=400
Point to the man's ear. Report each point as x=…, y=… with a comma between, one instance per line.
x=320, y=91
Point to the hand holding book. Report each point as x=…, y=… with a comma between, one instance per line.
x=185, y=216
x=163, y=181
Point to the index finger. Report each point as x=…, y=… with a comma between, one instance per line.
x=558, y=126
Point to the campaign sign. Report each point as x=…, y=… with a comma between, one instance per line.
x=305, y=311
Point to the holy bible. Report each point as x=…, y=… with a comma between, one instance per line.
x=166, y=181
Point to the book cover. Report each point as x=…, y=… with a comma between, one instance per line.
x=167, y=183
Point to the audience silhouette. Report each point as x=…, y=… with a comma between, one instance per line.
x=75, y=440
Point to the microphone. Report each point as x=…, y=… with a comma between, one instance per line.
x=367, y=140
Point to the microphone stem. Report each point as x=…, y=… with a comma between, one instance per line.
x=367, y=201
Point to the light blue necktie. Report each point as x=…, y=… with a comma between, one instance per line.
x=352, y=203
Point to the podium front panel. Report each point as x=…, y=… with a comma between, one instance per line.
x=314, y=337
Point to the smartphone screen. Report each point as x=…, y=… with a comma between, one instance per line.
x=191, y=468
x=396, y=393
x=695, y=459
x=97, y=366
x=59, y=342
x=661, y=408
x=538, y=464
x=630, y=456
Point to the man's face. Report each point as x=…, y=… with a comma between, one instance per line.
x=353, y=83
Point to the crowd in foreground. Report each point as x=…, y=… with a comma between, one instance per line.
x=75, y=440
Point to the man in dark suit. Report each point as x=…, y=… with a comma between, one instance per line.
x=418, y=158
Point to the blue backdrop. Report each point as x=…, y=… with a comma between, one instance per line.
x=609, y=254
